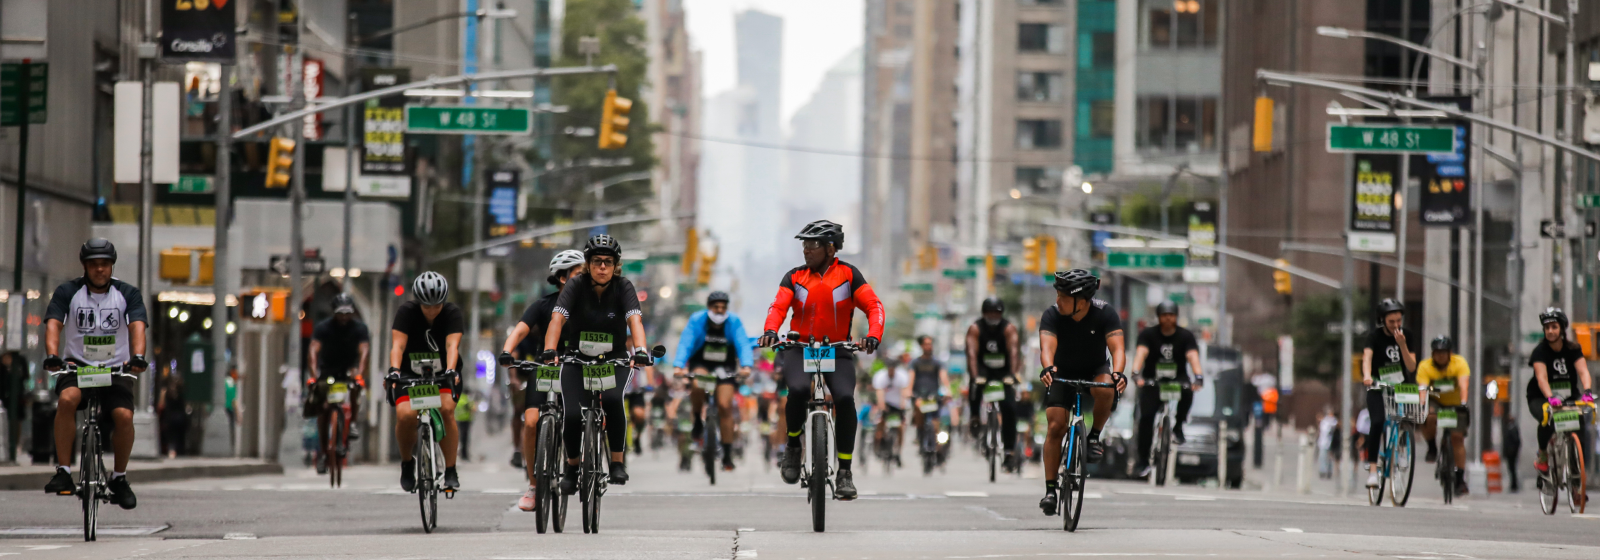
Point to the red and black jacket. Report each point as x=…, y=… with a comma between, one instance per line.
x=824, y=304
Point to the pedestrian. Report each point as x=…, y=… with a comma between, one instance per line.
x=1327, y=432
x=1363, y=431
x=464, y=412
x=230, y=402
x=1511, y=444
x=13, y=390
x=172, y=412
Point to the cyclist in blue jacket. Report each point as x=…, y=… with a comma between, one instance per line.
x=715, y=338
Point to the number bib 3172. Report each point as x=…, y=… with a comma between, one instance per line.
x=818, y=360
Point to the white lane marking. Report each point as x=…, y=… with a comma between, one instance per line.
x=1292, y=530
x=1586, y=515
x=17, y=553
x=1195, y=498
x=747, y=529
x=1092, y=496
x=78, y=530
x=519, y=558
x=961, y=494
x=991, y=513
x=745, y=554
x=1436, y=556
x=503, y=491
x=239, y=537
x=47, y=546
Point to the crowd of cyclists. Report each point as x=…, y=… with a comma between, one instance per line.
x=724, y=370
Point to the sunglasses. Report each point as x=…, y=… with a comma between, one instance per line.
x=602, y=261
x=812, y=245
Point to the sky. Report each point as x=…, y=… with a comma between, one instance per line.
x=816, y=34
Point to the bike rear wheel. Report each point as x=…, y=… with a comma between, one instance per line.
x=1404, y=469
x=818, y=484
x=89, y=485
x=1577, y=478
x=1071, y=483
x=1385, y=462
x=1549, y=482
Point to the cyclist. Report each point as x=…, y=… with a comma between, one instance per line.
x=1391, y=354
x=1177, y=356
x=339, y=344
x=602, y=309
x=426, y=332
x=705, y=345
x=636, y=396
x=929, y=380
x=534, y=321
x=993, y=347
x=1447, y=376
x=1556, y=361
x=823, y=295
x=108, y=329
x=893, y=387
x=1075, y=335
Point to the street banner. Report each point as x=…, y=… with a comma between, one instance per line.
x=503, y=187
x=1446, y=183
x=198, y=30
x=384, y=124
x=1201, y=267
x=1372, y=213
x=312, y=80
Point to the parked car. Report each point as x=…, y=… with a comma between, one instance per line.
x=1222, y=399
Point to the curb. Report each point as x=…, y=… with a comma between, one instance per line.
x=37, y=480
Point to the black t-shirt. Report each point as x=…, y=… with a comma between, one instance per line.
x=925, y=376
x=1167, y=352
x=1081, y=345
x=597, y=325
x=1560, y=367
x=994, y=351
x=1386, y=358
x=537, y=318
x=339, y=352
x=425, y=342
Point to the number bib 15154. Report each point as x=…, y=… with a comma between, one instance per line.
x=90, y=377
x=338, y=393
x=594, y=344
x=818, y=360
x=706, y=382
x=599, y=377
x=715, y=352
x=927, y=405
x=424, y=397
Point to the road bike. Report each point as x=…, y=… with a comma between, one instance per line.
x=335, y=449
x=994, y=393
x=93, y=478
x=1447, y=419
x=594, y=471
x=1169, y=391
x=1070, y=475
x=711, y=437
x=928, y=433
x=1565, y=458
x=818, y=359
x=1397, y=459
x=426, y=455
x=887, y=447
x=550, y=504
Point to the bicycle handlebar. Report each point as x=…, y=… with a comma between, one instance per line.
x=843, y=345
x=1572, y=405
x=1084, y=384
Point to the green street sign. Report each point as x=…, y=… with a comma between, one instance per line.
x=960, y=273
x=1589, y=201
x=442, y=119
x=1002, y=260
x=38, y=92
x=975, y=261
x=635, y=268
x=1145, y=261
x=917, y=287
x=1383, y=139
x=192, y=184
x=927, y=315
x=1178, y=298
x=673, y=258
x=1205, y=322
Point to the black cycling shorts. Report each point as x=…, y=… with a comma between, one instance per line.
x=118, y=395
x=1060, y=395
x=709, y=367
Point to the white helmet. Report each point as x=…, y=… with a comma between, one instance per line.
x=565, y=261
x=430, y=288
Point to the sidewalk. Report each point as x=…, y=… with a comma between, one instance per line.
x=34, y=477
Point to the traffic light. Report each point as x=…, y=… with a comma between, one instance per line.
x=1281, y=279
x=613, y=120
x=691, y=250
x=1030, y=255
x=280, y=161
x=1262, y=139
x=1047, y=252
x=707, y=262
x=928, y=257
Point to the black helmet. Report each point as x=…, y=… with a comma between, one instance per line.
x=1166, y=307
x=343, y=303
x=602, y=245
x=1390, y=305
x=716, y=297
x=1078, y=283
x=97, y=248
x=993, y=304
x=823, y=230
x=1443, y=342
x=1553, y=315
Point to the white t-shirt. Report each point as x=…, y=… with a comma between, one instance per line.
x=893, y=381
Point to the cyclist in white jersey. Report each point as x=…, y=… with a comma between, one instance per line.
x=103, y=320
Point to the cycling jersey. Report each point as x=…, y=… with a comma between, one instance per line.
x=925, y=376
x=994, y=351
x=1387, y=363
x=537, y=318
x=425, y=341
x=340, y=349
x=1081, y=351
x=1444, y=380
x=97, y=331
x=597, y=325
x=1168, y=354
x=893, y=382
x=1560, y=369
x=824, y=304
x=711, y=343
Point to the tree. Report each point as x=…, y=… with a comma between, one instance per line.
x=622, y=42
x=1317, y=340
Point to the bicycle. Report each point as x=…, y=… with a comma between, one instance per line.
x=594, y=472
x=425, y=453
x=1170, y=391
x=1397, y=459
x=710, y=441
x=550, y=505
x=1565, y=458
x=888, y=446
x=817, y=358
x=93, y=478
x=1070, y=476
x=1447, y=419
x=927, y=442
x=337, y=447
x=994, y=392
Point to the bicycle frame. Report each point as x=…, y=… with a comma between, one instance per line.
x=819, y=406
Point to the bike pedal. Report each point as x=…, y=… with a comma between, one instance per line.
x=449, y=494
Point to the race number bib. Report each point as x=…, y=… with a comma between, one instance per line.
x=1561, y=387
x=428, y=360
x=599, y=377
x=547, y=379
x=1567, y=421
x=1444, y=385
x=995, y=391
x=715, y=352
x=927, y=406
x=1447, y=418
x=818, y=360
x=90, y=377
x=706, y=382
x=892, y=421
x=424, y=397
x=1171, y=391
x=1166, y=371
x=593, y=343
x=1392, y=374
x=994, y=361
x=1406, y=393
x=338, y=393
x=99, y=349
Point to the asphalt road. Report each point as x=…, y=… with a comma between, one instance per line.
x=750, y=513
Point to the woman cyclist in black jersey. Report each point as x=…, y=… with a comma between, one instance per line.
x=535, y=321
x=596, y=313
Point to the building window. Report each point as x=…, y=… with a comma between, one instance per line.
x=1035, y=180
x=1180, y=24
x=1102, y=118
x=1039, y=86
x=1041, y=37
x=1177, y=124
x=1041, y=134
x=1102, y=50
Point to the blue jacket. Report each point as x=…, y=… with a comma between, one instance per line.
x=694, y=336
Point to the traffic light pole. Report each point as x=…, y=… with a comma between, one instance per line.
x=219, y=276
x=297, y=196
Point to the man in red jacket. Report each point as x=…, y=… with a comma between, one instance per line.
x=824, y=295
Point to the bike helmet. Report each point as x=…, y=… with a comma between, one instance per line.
x=430, y=288
x=716, y=297
x=97, y=248
x=1443, y=342
x=1553, y=315
x=343, y=303
x=1165, y=308
x=602, y=245
x=1078, y=283
x=563, y=261
x=1390, y=305
x=823, y=230
x=994, y=305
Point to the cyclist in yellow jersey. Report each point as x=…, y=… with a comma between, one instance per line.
x=1447, y=377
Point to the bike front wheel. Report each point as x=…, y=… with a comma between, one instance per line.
x=991, y=439
x=1072, y=483
x=334, y=452
x=89, y=479
x=427, y=494
x=1447, y=470
x=710, y=443
x=1403, y=470
x=546, y=461
x=818, y=485
x=1158, y=456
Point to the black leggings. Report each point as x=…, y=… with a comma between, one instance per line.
x=573, y=396
x=1149, y=404
x=1008, y=412
x=841, y=384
